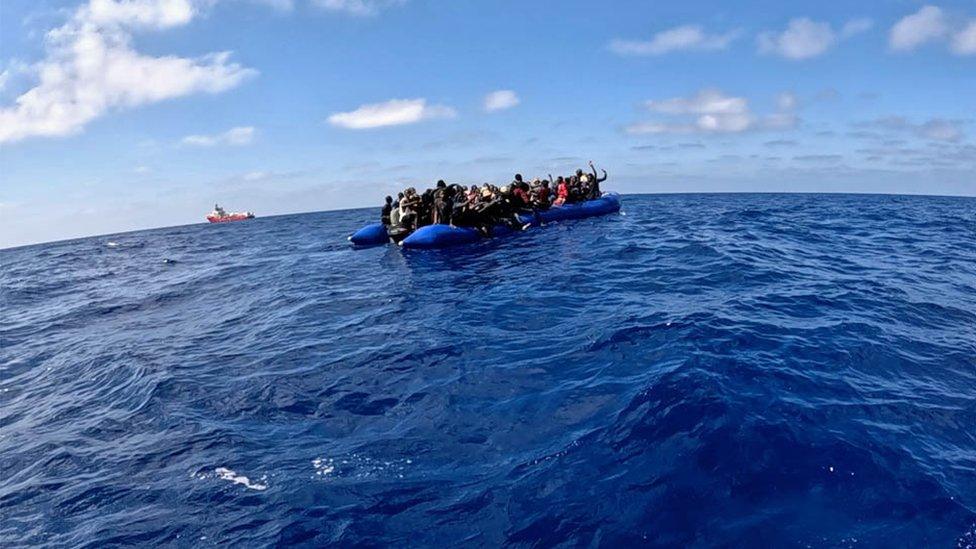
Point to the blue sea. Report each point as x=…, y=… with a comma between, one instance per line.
x=697, y=371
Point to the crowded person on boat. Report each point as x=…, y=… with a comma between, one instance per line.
x=484, y=206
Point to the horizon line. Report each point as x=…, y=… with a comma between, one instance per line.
x=272, y=216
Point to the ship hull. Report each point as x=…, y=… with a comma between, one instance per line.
x=228, y=218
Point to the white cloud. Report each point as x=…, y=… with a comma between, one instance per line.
x=242, y=135
x=500, y=100
x=926, y=25
x=964, y=42
x=805, y=38
x=359, y=8
x=802, y=39
x=707, y=101
x=932, y=24
x=683, y=38
x=91, y=68
x=4, y=78
x=159, y=14
x=394, y=112
x=711, y=111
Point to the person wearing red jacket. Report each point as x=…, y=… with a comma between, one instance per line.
x=562, y=191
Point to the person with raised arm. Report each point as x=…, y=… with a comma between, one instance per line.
x=595, y=191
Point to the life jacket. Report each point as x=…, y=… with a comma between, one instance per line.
x=563, y=190
x=521, y=194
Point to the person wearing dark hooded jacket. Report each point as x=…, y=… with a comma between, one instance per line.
x=594, y=190
x=385, y=212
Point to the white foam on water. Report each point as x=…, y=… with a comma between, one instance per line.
x=359, y=467
x=227, y=474
x=112, y=244
x=323, y=467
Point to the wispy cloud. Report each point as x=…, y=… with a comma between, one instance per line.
x=932, y=24
x=683, y=38
x=711, y=111
x=255, y=176
x=242, y=135
x=359, y=8
x=935, y=129
x=818, y=157
x=780, y=143
x=964, y=42
x=461, y=140
x=944, y=155
x=500, y=100
x=805, y=38
x=394, y=112
x=91, y=68
x=856, y=26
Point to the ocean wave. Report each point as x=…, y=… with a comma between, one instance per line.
x=707, y=370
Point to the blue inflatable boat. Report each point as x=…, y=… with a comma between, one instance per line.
x=370, y=235
x=441, y=236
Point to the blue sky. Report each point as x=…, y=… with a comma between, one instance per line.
x=124, y=114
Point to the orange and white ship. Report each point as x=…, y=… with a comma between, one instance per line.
x=218, y=215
